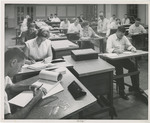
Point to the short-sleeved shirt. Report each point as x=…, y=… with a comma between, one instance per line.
x=136, y=30
x=125, y=21
x=87, y=33
x=39, y=52
x=103, y=25
x=55, y=19
x=113, y=42
x=7, y=109
x=64, y=25
x=72, y=28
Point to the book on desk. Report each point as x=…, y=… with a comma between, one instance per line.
x=48, y=79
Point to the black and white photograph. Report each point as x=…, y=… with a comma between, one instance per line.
x=74, y=61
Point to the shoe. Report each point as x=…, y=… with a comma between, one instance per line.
x=131, y=88
x=123, y=95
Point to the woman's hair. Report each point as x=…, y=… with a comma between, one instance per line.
x=85, y=23
x=43, y=32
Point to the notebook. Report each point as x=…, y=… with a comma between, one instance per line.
x=49, y=80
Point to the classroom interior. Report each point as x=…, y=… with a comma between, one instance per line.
x=133, y=109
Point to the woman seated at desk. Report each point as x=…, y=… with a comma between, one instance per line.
x=64, y=25
x=86, y=35
x=39, y=48
x=74, y=27
x=30, y=33
x=113, y=25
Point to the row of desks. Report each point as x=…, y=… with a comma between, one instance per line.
x=94, y=76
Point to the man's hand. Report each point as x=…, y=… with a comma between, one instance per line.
x=34, y=88
x=133, y=49
x=118, y=51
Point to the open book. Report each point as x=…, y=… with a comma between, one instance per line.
x=48, y=79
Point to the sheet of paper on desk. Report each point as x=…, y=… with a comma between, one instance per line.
x=48, y=85
x=25, y=97
x=22, y=99
x=40, y=65
x=111, y=54
x=56, y=89
x=127, y=52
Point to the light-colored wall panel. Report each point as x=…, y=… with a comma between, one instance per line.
x=40, y=11
x=71, y=11
x=51, y=10
x=79, y=9
x=142, y=14
x=122, y=9
x=10, y=11
x=61, y=11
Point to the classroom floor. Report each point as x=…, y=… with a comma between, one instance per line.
x=133, y=108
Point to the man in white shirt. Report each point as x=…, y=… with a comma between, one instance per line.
x=134, y=31
x=113, y=25
x=113, y=19
x=14, y=60
x=75, y=27
x=125, y=20
x=65, y=24
x=136, y=28
x=118, y=43
x=55, y=19
x=103, y=25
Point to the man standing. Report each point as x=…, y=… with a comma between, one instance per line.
x=103, y=25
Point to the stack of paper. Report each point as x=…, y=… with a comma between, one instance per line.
x=40, y=65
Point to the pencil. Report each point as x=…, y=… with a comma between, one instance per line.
x=39, y=86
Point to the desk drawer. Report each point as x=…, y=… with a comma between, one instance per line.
x=99, y=84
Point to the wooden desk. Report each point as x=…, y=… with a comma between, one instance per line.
x=97, y=76
x=139, y=40
x=100, y=43
x=74, y=106
x=27, y=73
x=56, y=38
x=62, y=48
x=124, y=56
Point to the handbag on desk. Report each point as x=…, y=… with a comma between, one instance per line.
x=76, y=91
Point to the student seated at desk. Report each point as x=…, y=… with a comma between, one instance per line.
x=86, y=35
x=113, y=25
x=50, y=17
x=14, y=60
x=81, y=18
x=64, y=24
x=136, y=28
x=135, y=31
x=74, y=27
x=125, y=20
x=30, y=33
x=39, y=48
x=55, y=18
x=118, y=43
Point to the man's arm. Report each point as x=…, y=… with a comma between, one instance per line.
x=22, y=113
x=109, y=47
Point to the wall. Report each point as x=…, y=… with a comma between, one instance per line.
x=143, y=13
x=10, y=14
x=121, y=10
